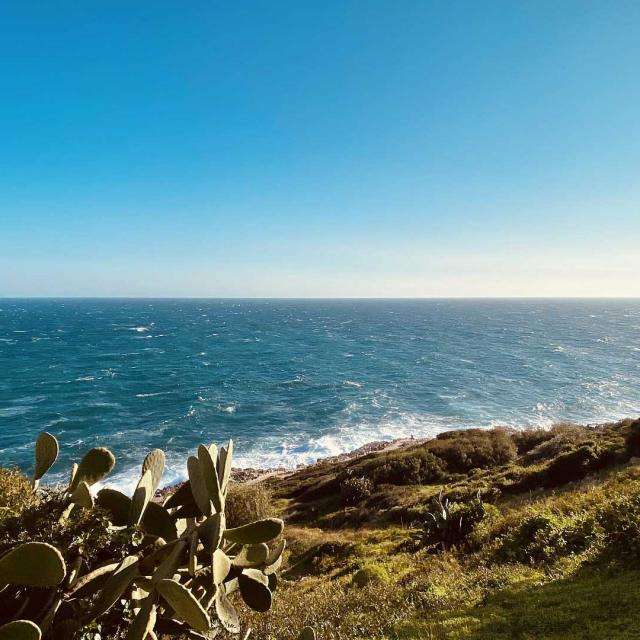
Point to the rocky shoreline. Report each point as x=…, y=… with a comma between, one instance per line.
x=250, y=475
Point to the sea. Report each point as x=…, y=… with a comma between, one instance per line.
x=292, y=381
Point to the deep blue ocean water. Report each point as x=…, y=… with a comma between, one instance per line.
x=292, y=381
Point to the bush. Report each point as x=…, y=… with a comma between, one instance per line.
x=449, y=523
x=411, y=467
x=370, y=573
x=16, y=493
x=562, y=438
x=246, y=503
x=529, y=439
x=474, y=449
x=355, y=489
x=620, y=521
x=576, y=464
x=543, y=537
x=633, y=439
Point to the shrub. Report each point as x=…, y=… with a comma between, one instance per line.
x=354, y=489
x=620, y=521
x=16, y=493
x=370, y=573
x=246, y=503
x=562, y=438
x=633, y=439
x=543, y=537
x=576, y=464
x=449, y=523
x=421, y=467
x=529, y=439
x=474, y=449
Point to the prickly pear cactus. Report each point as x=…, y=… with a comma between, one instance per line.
x=46, y=454
x=180, y=571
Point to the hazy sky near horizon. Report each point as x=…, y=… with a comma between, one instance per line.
x=337, y=148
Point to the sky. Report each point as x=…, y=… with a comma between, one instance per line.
x=320, y=149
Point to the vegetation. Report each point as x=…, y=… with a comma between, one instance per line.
x=246, y=503
x=475, y=535
x=75, y=566
x=540, y=540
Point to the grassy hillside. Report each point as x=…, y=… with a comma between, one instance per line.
x=475, y=535
x=542, y=539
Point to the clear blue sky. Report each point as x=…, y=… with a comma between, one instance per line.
x=335, y=148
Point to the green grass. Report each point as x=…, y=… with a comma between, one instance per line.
x=592, y=605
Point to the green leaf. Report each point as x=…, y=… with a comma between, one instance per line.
x=95, y=464
x=256, y=532
x=185, y=604
x=47, y=450
x=20, y=630
x=33, y=564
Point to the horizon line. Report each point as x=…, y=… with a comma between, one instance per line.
x=381, y=298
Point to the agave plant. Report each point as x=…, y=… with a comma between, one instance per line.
x=181, y=574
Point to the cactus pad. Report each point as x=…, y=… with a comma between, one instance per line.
x=225, y=458
x=227, y=614
x=308, y=633
x=20, y=630
x=82, y=496
x=254, y=589
x=198, y=485
x=154, y=462
x=210, y=532
x=220, y=566
x=251, y=555
x=181, y=497
x=210, y=475
x=116, y=503
x=158, y=522
x=256, y=532
x=141, y=497
x=33, y=564
x=46, y=454
x=185, y=604
x=274, y=559
x=95, y=464
x=144, y=621
x=116, y=585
